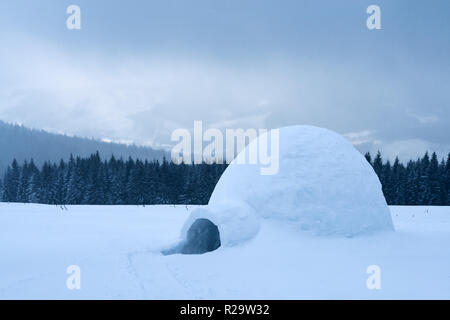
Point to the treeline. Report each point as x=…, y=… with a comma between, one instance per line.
x=113, y=182
x=425, y=181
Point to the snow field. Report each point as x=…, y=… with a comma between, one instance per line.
x=118, y=252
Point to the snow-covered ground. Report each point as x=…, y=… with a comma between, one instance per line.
x=118, y=251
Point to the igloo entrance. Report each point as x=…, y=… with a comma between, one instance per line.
x=202, y=236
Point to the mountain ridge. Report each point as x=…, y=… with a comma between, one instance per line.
x=22, y=143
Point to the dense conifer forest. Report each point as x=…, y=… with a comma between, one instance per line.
x=91, y=180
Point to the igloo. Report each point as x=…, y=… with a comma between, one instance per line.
x=324, y=186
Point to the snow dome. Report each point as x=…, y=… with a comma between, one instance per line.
x=323, y=185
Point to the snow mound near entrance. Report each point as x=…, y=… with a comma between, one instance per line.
x=323, y=185
x=237, y=221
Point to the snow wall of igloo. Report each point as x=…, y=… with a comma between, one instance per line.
x=236, y=221
x=323, y=185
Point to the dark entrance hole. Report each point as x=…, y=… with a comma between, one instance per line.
x=203, y=236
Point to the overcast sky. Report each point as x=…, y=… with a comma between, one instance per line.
x=137, y=70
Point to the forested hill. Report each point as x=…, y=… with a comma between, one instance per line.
x=23, y=143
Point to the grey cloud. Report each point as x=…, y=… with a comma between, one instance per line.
x=145, y=97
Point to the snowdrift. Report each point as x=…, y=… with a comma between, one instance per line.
x=323, y=185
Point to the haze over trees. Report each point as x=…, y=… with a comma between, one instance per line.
x=21, y=143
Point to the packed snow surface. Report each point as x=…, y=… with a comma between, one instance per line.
x=118, y=250
x=323, y=185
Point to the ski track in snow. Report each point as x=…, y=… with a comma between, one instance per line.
x=156, y=271
x=132, y=270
